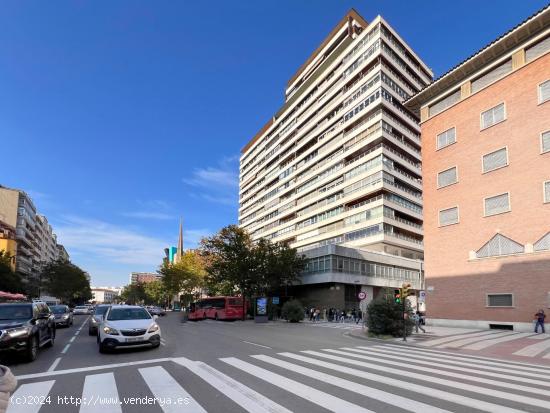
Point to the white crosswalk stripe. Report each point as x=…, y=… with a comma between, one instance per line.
x=449, y=339
x=488, y=343
x=387, y=377
x=534, y=349
x=464, y=341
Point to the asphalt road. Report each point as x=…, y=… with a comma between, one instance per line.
x=275, y=367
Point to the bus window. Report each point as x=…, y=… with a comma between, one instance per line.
x=235, y=302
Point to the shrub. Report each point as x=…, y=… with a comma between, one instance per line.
x=293, y=311
x=385, y=317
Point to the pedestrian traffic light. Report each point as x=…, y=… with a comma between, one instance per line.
x=405, y=290
x=397, y=296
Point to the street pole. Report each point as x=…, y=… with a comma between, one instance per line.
x=404, y=321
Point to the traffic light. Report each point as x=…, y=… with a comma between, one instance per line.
x=405, y=290
x=397, y=296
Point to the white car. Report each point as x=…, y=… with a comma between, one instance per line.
x=127, y=326
x=81, y=309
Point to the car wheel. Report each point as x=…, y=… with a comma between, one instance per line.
x=32, y=349
x=51, y=340
x=91, y=332
x=102, y=347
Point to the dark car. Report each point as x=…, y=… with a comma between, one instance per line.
x=96, y=318
x=25, y=327
x=63, y=315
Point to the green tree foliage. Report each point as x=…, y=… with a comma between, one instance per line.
x=293, y=311
x=10, y=281
x=385, y=316
x=155, y=292
x=66, y=281
x=133, y=294
x=183, y=277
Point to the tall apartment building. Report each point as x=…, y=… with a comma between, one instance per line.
x=336, y=171
x=144, y=277
x=486, y=167
x=36, y=242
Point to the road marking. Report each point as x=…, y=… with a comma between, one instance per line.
x=434, y=360
x=533, y=349
x=164, y=387
x=162, y=342
x=28, y=392
x=93, y=368
x=498, y=383
x=72, y=339
x=65, y=348
x=468, y=357
x=438, y=380
x=488, y=343
x=244, y=396
x=464, y=341
x=259, y=345
x=311, y=394
x=54, y=364
x=100, y=394
x=453, y=338
x=389, y=398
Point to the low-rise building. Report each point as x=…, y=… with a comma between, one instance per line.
x=104, y=295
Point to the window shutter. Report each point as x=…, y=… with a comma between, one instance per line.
x=446, y=138
x=547, y=191
x=546, y=141
x=499, y=245
x=492, y=116
x=492, y=76
x=544, y=91
x=543, y=243
x=497, y=204
x=495, y=160
x=500, y=300
x=448, y=216
x=444, y=103
x=538, y=49
x=447, y=177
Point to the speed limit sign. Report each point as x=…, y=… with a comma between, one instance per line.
x=362, y=295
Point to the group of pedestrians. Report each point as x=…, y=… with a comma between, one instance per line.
x=341, y=316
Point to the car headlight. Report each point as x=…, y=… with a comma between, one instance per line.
x=110, y=330
x=17, y=332
x=153, y=328
x=66, y=316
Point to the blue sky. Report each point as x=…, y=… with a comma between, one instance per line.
x=121, y=117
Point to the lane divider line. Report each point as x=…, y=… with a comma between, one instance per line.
x=54, y=364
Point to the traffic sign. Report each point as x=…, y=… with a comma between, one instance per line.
x=422, y=296
x=362, y=295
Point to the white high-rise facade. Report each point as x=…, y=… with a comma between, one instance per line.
x=336, y=173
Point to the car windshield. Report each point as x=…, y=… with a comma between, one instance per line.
x=80, y=307
x=15, y=312
x=58, y=309
x=101, y=310
x=128, y=314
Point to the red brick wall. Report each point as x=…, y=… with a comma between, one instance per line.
x=461, y=285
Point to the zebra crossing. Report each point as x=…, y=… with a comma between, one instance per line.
x=373, y=378
x=481, y=340
x=337, y=326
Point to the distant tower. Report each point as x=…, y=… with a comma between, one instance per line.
x=179, y=252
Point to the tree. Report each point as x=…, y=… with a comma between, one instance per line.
x=10, y=281
x=293, y=311
x=183, y=277
x=133, y=294
x=155, y=292
x=66, y=281
x=385, y=316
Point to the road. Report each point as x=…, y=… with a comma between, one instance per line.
x=277, y=367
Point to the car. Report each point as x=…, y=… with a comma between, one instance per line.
x=62, y=315
x=81, y=309
x=95, y=320
x=127, y=326
x=155, y=310
x=25, y=327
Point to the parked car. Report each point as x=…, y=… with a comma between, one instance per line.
x=96, y=319
x=25, y=327
x=127, y=326
x=153, y=310
x=81, y=309
x=62, y=314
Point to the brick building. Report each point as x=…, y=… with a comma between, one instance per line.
x=486, y=167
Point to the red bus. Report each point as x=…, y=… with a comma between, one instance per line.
x=217, y=308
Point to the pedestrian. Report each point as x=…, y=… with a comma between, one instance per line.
x=311, y=313
x=324, y=314
x=416, y=318
x=539, y=318
x=8, y=383
x=342, y=316
x=353, y=314
x=359, y=316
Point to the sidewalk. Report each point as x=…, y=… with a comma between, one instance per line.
x=514, y=346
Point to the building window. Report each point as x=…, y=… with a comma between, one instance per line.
x=447, y=177
x=492, y=76
x=493, y=116
x=542, y=244
x=495, y=160
x=444, y=103
x=545, y=141
x=500, y=245
x=544, y=91
x=500, y=300
x=448, y=216
x=446, y=138
x=538, y=49
x=546, y=190
x=497, y=204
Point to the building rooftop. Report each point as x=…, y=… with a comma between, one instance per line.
x=530, y=27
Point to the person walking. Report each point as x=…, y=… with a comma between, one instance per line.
x=416, y=318
x=342, y=316
x=8, y=383
x=353, y=314
x=359, y=316
x=539, y=318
